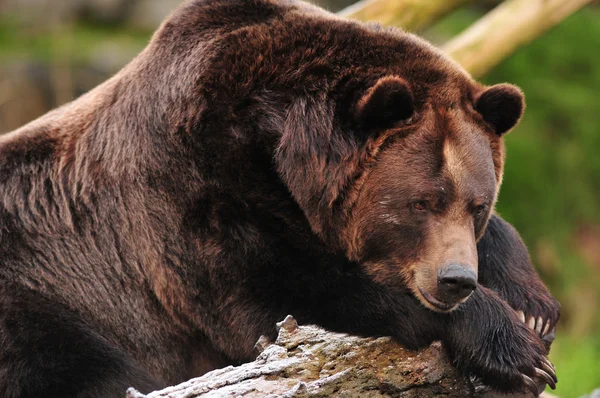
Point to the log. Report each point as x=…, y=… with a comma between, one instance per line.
x=307, y=361
x=411, y=15
x=509, y=26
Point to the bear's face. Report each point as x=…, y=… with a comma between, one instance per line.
x=429, y=191
x=403, y=183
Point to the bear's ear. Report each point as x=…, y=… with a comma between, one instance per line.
x=387, y=102
x=501, y=106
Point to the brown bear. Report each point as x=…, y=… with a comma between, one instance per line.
x=262, y=158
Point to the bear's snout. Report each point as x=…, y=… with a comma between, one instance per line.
x=455, y=282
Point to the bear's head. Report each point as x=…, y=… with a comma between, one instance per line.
x=411, y=201
x=398, y=163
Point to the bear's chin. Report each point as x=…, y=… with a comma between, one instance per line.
x=429, y=301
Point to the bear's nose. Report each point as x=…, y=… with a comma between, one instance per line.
x=456, y=282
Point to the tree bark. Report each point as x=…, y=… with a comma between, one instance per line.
x=509, y=26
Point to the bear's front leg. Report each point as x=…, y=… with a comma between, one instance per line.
x=483, y=335
x=487, y=340
x=505, y=267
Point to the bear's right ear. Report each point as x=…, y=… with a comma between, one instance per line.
x=502, y=106
x=386, y=103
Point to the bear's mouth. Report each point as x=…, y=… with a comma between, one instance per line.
x=437, y=304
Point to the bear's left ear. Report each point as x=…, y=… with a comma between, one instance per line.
x=501, y=106
x=387, y=102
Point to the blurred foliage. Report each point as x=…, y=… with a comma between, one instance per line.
x=551, y=189
x=74, y=42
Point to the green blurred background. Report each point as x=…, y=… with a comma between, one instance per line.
x=52, y=51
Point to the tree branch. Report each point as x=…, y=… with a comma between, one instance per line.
x=409, y=14
x=509, y=26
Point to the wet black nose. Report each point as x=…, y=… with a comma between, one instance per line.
x=456, y=282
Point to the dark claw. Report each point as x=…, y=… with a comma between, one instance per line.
x=481, y=389
x=531, y=385
x=549, y=369
x=546, y=377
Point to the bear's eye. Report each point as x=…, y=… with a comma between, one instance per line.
x=479, y=210
x=420, y=205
